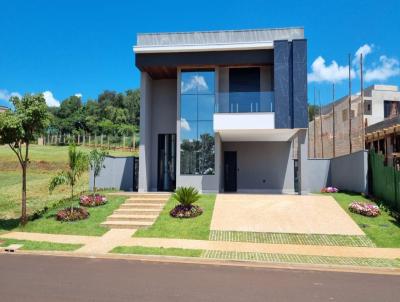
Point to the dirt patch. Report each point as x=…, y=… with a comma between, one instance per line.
x=35, y=165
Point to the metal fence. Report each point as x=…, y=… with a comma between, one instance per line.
x=329, y=134
x=111, y=142
x=385, y=181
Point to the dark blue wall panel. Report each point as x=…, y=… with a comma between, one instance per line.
x=300, y=112
x=281, y=83
x=290, y=75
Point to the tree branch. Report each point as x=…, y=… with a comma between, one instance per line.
x=15, y=151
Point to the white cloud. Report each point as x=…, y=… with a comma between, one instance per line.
x=6, y=95
x=332, y=73
x=365, y=50
x=185, y=125
x=50, y=100
x=386, y=68
x=79, y=95
x=195, y=82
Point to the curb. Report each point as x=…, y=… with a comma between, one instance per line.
x=215, y=262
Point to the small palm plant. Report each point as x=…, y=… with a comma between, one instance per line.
x=77, y=165
x=186, y=196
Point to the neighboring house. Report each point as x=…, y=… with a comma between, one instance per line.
x=3, y=109
x=384, y=138
x=381, y=102
x=223, y=110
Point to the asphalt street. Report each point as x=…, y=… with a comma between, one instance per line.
x=50, y=278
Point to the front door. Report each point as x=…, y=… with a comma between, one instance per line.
x=230, y=171
x=166, y=180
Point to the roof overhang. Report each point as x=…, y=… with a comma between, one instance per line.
x=258, y=135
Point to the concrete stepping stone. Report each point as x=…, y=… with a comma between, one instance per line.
x=13, y=247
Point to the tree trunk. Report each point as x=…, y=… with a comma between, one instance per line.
x=94, y=185
x=23, y=209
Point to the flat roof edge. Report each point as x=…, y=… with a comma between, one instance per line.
x=222, y=30
x=201, y=38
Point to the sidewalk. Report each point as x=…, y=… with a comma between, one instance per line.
x=118, y=237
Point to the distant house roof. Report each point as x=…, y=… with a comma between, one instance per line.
x=3, y=108
x=355, y=97
x=215, y=40
x=394, y=121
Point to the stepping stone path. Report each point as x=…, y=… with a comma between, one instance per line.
x=138, y=211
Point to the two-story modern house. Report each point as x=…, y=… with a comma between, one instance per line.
x=223, y=111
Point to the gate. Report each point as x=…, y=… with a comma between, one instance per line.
x=385, y=181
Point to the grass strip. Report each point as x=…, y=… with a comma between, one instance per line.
x=140, y=250
x=40, y=245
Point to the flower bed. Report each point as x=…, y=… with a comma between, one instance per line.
x=365, y=209
x=92, y=200
x=181, y=211
x=72, y=214
x=329, y=190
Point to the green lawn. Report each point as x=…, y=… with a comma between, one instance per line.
x=140, y=250
x=90, y=227
x=41, y=245
x=383, y=230
x=46, y=161
x=184, y=228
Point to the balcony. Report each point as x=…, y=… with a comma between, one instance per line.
x=245, y=102
x=244, y=116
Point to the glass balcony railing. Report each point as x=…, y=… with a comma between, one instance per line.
x=245, y=102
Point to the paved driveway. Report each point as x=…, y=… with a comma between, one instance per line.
x=310, y=214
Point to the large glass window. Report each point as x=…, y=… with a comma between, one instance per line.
x=391, y=108
x=197, y=135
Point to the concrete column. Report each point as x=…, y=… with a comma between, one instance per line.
x=145, y=133
x=302, y=161
x=178, y=128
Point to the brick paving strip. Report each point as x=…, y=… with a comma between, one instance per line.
x=292, y=238
x=291, y=249
x=301, y=259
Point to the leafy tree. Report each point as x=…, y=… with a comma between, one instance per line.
x=21, y=126
x=132, y=103
x=96, y=161
x=77, y=164
x=112, y=114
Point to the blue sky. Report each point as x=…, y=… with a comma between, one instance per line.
x=84, y=47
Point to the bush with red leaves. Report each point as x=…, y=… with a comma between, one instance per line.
x=92, y=200
x=72, y=214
